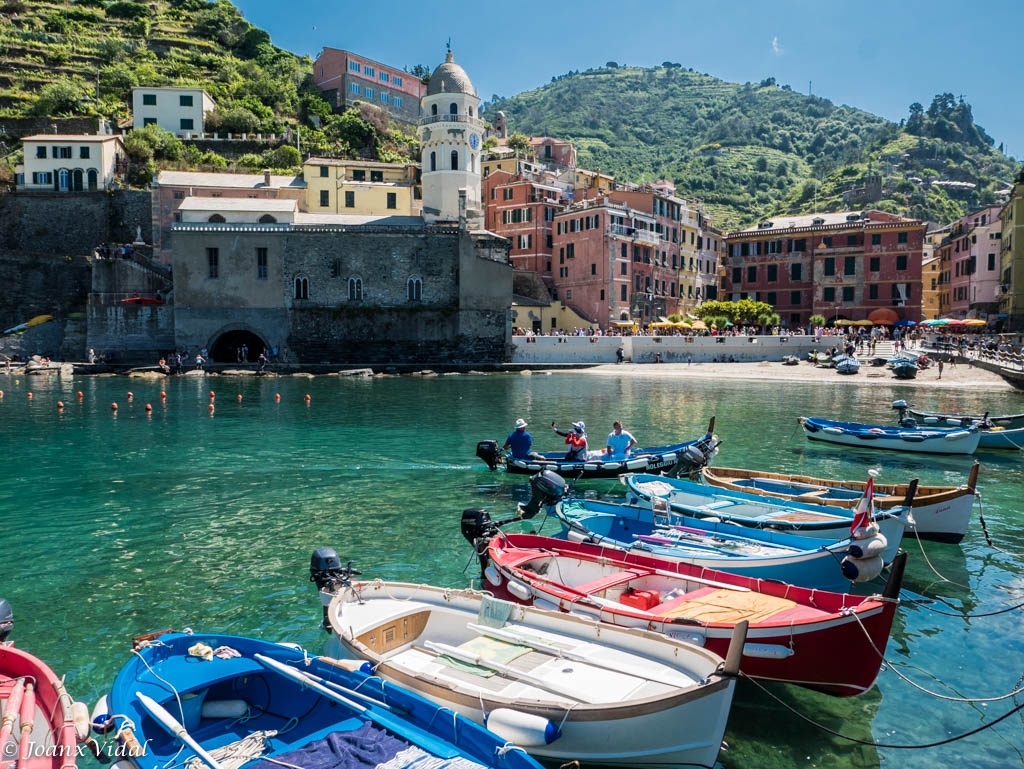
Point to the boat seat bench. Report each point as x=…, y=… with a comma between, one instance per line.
x=610, y=580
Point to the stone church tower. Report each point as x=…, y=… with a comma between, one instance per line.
x=451, y=133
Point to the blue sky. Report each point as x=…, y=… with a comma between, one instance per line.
x=878, y=56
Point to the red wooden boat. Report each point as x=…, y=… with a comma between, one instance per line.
x=41, y=725
x=832, y=642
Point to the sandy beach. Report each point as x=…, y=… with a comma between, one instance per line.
x=957, y=377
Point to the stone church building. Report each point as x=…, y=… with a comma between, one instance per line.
x=348, y=288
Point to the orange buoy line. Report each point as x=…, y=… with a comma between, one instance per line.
x=79, y=395
x=113, y=407
x=210, y=408
x=239, y=397
x=60, y=405
x=277, y=397
x=30, y=396
x=131, y=396
x=149, y=407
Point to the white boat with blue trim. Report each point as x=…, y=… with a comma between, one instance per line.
x=893, y=438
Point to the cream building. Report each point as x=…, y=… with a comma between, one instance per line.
x=182, y=111
x=70, y=162
x=363, y=187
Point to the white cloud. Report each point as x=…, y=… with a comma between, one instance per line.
x=776, y=48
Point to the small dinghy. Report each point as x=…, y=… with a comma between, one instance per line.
x=847, y=364
x=41, y=726
x=563, y=687
x=212, y=701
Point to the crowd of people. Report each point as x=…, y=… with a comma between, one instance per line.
x=110, y=251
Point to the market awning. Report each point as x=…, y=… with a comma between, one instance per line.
x=883, y=316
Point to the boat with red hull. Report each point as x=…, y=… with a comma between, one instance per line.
x=38, y=730
x=831, y=642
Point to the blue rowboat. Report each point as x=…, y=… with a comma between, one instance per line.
x=713, y=544
x=209, y=701
x=761, y=512
x=928, y=440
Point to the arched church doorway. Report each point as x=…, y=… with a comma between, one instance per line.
x=237, y=346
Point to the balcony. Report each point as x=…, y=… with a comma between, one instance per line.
x=449, y=118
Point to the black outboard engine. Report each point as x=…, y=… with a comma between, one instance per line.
x=6, y=619
x=327, y=573
x=477, y=529
x=690, y=462
x=901, y=407
x=489, y=453
x=547, y=488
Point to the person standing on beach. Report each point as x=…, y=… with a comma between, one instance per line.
x=620, y=442
x=940, y=369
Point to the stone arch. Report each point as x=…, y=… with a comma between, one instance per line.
x=216, y=219
x=225, y=343
x=268, y=219
x=93, y=179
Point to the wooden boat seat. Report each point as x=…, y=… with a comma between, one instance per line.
x=719, y=605
x=609, y=580
x=802, y=516
x=522, y=556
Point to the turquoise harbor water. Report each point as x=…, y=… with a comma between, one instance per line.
x=117, y=525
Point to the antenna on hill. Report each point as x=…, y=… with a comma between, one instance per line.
x=810, y=92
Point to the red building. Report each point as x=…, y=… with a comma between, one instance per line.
x=523, y=210
x=840, y=265
x=344, y=78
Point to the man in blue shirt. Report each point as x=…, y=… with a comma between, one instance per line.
x=521, y=442
x=619, y=442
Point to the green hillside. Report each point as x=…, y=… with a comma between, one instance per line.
x=83, y=57
x=754, y=150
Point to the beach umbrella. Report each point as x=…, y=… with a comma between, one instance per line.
x=700, y=325
x=955, y=322
x=843, y=322
x=683, y=324
x=976, y=322
x=905, y=323
x=864, y=322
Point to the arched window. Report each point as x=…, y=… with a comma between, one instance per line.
x=302, y=287
x=355, y=289
x=415, y=289
x=455, y=160
x=216, y=219
x=93, y=179
x=433, y=109
x=453, y=109
x=267, y=219
x=433, y=161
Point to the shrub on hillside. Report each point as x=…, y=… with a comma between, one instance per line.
x=124, y=9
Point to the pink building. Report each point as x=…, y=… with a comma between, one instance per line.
x=523, y=210
x=973, y=246
x=344, y=78
x=614, y=257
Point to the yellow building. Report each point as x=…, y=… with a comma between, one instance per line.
x=338, y=186
x=1011, y=260
x=689, y=225
x=584, y=180
x=931, y=269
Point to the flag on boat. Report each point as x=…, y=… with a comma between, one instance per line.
x=865, y=507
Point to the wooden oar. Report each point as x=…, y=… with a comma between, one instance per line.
x=11, y=711
x=395, y=724
x=176, y=729
x=28, y=721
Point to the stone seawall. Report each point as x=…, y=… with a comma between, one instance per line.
x=64, y=224
x=672, y=349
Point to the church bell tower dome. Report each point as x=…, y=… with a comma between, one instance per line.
x=451, y=134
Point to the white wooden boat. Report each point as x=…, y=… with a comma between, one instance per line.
x=560, y=686
x=939, y=513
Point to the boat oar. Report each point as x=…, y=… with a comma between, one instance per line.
x=395, y=724
x=172, y=725
x=28, y=721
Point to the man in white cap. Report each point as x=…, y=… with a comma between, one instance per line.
x=521, y=442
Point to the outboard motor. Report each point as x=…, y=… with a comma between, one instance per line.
x=6, y=619
x=902, y=407
x=326, y=571
x=689, y=463
x=489, y=453
x=477, y=529
x=547, y=488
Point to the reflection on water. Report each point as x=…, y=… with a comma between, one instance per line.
x=117, y=525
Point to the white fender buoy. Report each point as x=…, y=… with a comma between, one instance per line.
x=590, y=467
x=868, y=548
x=865, y=532
x=861, y=569
x=636, y=464
x=101, y=720
x=767, y=651
x=492, y=575
x=519, y=590
x=956, y=435
x=523, y=729
x=833, y=430
x=80, y=716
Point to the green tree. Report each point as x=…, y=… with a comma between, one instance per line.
x=63, y=97
x=519, y=142
x=285, y=156
x=817, y=320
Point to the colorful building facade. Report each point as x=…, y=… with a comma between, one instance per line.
x=345, y=78
x=973, y=252
x=1011, y=260
x=339, y=186
x=838, y=265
